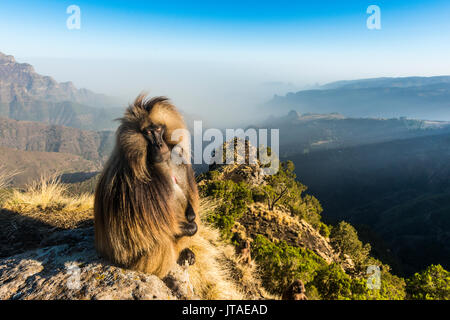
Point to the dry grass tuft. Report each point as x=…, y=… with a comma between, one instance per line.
x=48, y=200
x=6, y=177
x=209, y=276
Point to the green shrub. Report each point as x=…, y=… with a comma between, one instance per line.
x=311, y=292
x=234, y=200
x=433, y=283
x=212, y=175
x=283, y=189
x=324, y=230
x=345, y=241
x=259, y=195
x=392, y=287
x=332, y=283
x=281, y=263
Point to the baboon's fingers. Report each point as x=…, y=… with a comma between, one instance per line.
x=189, y=229
x=186, y=255
x=190, y=213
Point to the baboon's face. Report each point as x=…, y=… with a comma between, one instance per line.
x=297, y=287
x=158, y=151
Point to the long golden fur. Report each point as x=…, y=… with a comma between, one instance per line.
x=137, y=207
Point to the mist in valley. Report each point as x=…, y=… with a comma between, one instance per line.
x=223, y=94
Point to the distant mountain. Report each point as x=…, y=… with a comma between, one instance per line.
x=33, y=149
x=387, y=82
x=309, y=132
x=34, y=136
x=412, y=97
x=26, y=95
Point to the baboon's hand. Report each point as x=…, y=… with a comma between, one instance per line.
x=190, y=213
x=186, y=255
x=189, y=229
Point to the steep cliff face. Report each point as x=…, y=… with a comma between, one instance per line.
x=35, y=136
x=27, y=95
x=20, y=82
x=33, y=149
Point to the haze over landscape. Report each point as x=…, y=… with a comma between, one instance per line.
x=233, y=55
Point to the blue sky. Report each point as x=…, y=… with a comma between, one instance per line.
x=225, y=49
x=216, y=26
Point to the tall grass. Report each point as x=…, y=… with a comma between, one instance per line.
x=47, y=199
x=6, y=177
x=48, y=193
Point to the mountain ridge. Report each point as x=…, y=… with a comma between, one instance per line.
x=389, y=98
x=387, y=82
x=36, y=136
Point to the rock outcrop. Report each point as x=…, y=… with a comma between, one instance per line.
x=238, y=161
x=279, y=225
x=67, y=267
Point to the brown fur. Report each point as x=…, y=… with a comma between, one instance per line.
x=296, y=291
x=245, y=253
x=138, y=208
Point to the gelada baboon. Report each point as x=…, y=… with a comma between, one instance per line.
x=146, y=204
x=245, y=253
x=296, y=291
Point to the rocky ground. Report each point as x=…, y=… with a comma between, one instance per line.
x=67, y=267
